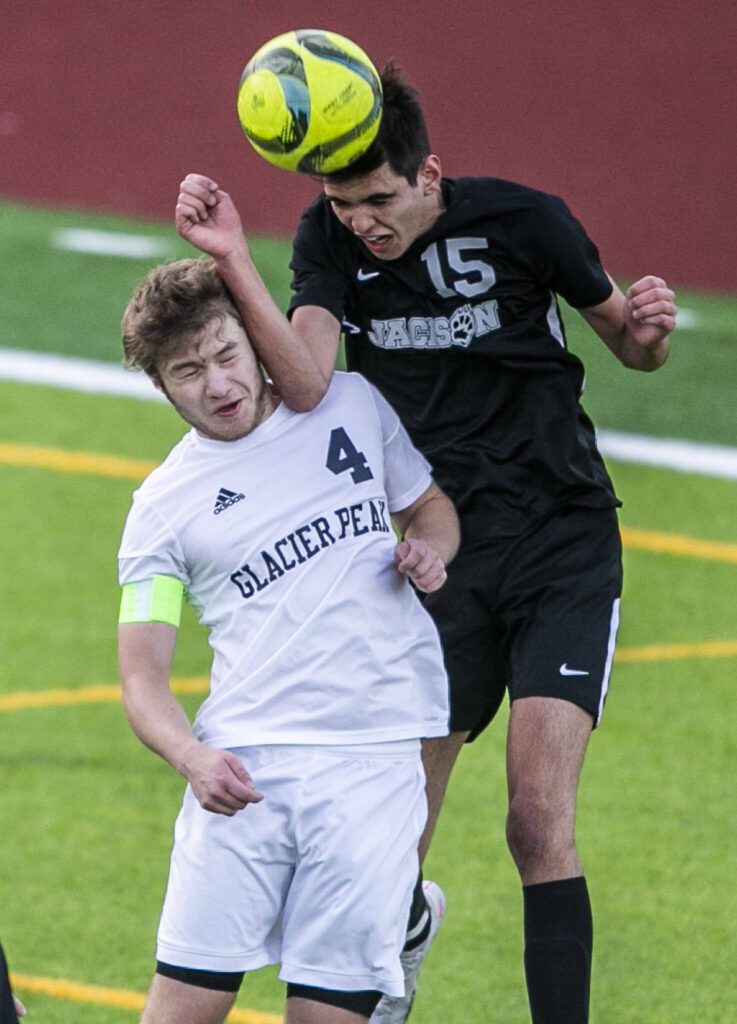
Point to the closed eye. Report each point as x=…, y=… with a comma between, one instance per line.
x=379, y=199
x=185, y=372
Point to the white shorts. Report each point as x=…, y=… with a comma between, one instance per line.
x=317, y=877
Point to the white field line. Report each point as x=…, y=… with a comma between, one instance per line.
x=668, y=453
x=76, y=374
x=106, y=378
x=688, y=319
x=110, y=243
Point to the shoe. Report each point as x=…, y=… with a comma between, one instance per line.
x=396, y=1009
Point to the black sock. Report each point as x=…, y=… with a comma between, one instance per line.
x=558, y=943
x=418, y=926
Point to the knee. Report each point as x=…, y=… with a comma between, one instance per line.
x=536, y=830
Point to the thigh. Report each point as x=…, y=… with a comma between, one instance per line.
x=561, y=609
x=472, y=637
x=359, y=826
x=229, y=876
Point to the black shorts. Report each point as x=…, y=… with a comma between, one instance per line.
x=536, y=615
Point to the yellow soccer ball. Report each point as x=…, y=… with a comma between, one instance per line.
x=310, y=101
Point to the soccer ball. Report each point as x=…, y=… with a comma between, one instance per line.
x=310, y=101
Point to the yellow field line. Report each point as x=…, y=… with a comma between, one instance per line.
x=674, y=544
x=92, y=463
x=22, y=700
x=61, y=461
x=678, y=652
x=60, y=988
x=96, y=694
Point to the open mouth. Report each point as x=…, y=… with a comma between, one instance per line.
x=376, y=243
x=226, y=411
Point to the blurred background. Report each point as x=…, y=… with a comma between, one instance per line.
x=627, y=112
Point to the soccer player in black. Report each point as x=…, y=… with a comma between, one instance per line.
x=11, y=1007
x=446, y=290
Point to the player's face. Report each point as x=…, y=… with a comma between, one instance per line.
x=215, y=383
x=384, y=210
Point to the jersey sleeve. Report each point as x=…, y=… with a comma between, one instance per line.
x=318, y=274
x=407, y=472
x=149, y=548
x=566, y=259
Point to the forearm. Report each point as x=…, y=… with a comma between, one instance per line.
x=636, y=326
x=635, y=356
x=436, y=523
x=218, y=779
x=158, y=720
x=206, y=217
x=288, y=360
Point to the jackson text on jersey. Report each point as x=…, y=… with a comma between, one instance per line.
x=465, y=324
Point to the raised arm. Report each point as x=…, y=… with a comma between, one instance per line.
x=636, y=326
x=320, y=331
x=206, y=217
x=431, y=535
x=217, y=777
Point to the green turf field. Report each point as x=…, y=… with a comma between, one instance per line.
x=86, y=812
x=69, y=302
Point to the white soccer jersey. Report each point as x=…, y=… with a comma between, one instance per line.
x=284, y=544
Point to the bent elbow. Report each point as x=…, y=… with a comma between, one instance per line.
x=303, y=404
x=305, y=399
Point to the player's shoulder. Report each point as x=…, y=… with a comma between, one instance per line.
x=319, y=216
x=499, y=198
x=523, y=220
x=346, y=386
x=161, y=479
x=353, y=395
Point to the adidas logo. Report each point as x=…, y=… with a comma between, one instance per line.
x=225, y=499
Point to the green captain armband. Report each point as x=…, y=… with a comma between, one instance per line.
x=156, y=600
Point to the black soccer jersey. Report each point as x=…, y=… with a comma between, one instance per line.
x=463, y=335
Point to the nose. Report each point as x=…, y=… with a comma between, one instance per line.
x=362, y=221
x=216, y=381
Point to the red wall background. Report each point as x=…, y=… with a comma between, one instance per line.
x=626, y=109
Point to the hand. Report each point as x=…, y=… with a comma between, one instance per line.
x=19, y=1007
x=421, y=563
x=206, y=217
x=649, y=311
x=219, y=780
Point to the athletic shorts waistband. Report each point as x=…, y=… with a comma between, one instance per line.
x=390, y=749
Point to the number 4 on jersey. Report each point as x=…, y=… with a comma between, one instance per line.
x=343, y=456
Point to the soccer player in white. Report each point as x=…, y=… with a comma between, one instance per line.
x=296, y=843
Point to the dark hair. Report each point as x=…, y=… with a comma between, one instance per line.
x=402, y=140
x=173, y=303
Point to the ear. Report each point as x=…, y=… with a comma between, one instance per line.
x=430, y=174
